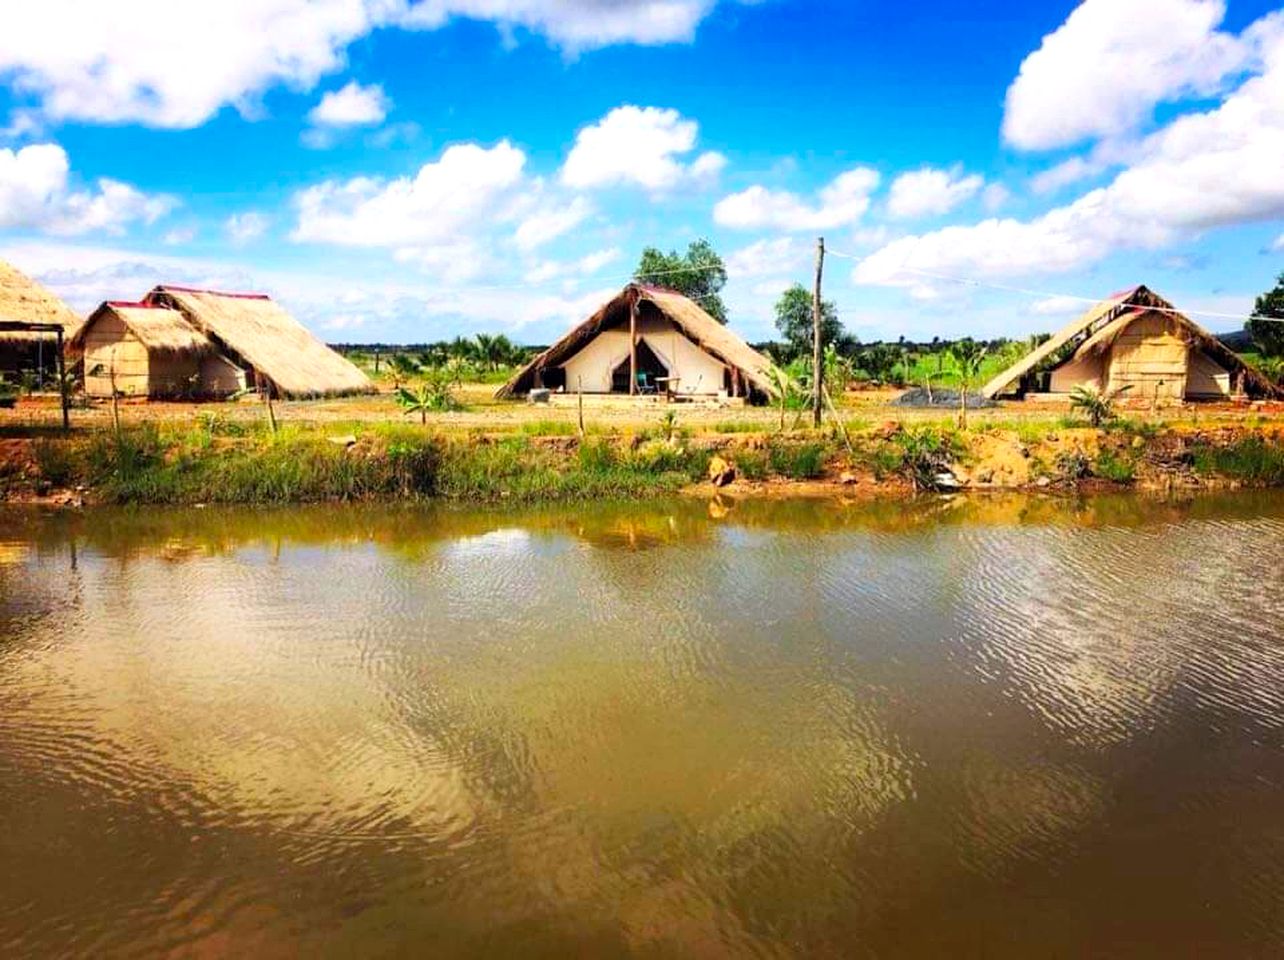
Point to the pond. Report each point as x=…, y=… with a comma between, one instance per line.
x=1004, y=727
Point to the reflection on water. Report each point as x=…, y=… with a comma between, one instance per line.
x=1007, y=727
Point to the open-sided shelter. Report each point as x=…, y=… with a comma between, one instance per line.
x=259, y=337
x=1137, y=344
x=647, y=339
x=26, y=304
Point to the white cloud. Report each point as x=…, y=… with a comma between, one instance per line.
x=578, y=24
x=35, y=194
x=995, y=196
x=351, y=106
x=930, y=192
x=443, y=201
x=179, y=236
x=1058, y=306
x=585, y=266
x=1278, y=244
x=550, y=222
x=1102, y=71
x=641, y=146
x=241, y=228
x=1063, y=174
x=783, y=255
x=171, y=64
x=1203, y=170
x=843, y=201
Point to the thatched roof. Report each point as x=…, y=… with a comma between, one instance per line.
x=159, y=329
x=1100, y=325
x=706, y=332
x=256, y=331
x=25, y=301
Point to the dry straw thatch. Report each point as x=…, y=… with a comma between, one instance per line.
x=26, y=301
x=704, y=331
x=159, y=329
x=1098, y=327
x=257, y=333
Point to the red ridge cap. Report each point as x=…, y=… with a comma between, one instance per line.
x=134, y=304
x=216, y=293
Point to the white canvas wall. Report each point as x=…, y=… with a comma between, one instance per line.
x=590, y=369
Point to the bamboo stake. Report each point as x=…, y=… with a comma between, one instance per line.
x=838, y=422
x=817, y=358
x=271, y=413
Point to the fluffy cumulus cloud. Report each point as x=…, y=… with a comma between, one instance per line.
x=450, y=218
x=172, y=64
x=930, y=192
x=431, y=208
x=176, y=64
x=639, y=146
x=35, y=194
x=1101, y=73
x=841, y=202
x=351, y=106
x=1203, y=170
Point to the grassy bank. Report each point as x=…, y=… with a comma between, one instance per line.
x=219, y=461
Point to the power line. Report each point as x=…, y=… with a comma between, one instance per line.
x=972, y=282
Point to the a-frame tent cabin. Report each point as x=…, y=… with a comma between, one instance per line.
x=1136, y=344
x=643, y=337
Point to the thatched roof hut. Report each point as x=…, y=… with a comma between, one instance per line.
x=648, y=332
x=24, y=300
x=139, y=349
x=260, y=337
x=1135, y=340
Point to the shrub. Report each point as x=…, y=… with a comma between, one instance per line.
x=1113, y=467
x=926, y=453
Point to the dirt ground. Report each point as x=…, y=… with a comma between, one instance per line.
x=483, y=412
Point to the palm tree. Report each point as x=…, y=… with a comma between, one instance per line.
x=1098, y=407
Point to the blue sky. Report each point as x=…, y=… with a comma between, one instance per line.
x=408, y=170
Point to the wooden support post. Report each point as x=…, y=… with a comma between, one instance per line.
x=633, y=344
x=579, y=402
x=62, y=386
x=817, y=348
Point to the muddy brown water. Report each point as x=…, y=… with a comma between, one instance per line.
x=1009, y=727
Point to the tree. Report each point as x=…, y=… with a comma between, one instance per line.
x=968, y=354
x=1269, y=334
x=698, y=274
x=880, y=360
x=794, y=321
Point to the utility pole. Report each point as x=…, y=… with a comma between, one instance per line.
x=817, y=348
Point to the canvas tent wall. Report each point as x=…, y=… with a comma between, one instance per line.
x=22, y=300
x=1137, y=344
x=141, y=350
x=665, y=328
x=261, y=338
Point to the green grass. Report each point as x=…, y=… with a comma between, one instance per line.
x=547, y=428
x=1253, y=460
x=797, y=461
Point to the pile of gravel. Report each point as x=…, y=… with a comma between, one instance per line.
x=918, y=397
